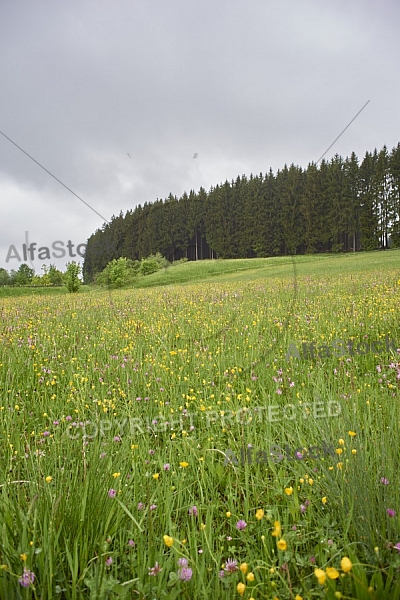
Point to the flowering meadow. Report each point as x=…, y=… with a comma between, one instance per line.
x=117, y=409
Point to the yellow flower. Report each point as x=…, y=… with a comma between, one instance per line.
x=244, y=568
x=168, y=541
x=338, y=595
x=354, y=451
x=282, y=545
x=341, y=442
x=346, y=564
x=202, y=526
x=351, y=433
x=289, y=491
x=116, y=475
x=320, y=575
x=23, y=556
x=240, y=588
x=184, y=464
x=259, y=514
x=250, y=577
x=49, y=478
x=156, y=475
x=173, y=436
x=301, y=480
x=134, y=446
x=298, y=597
x=311, y=481
x=332, y=573
x=228, y=514
x=277, y=529
x=339, y=450
x=324, y=500
x=3, y=567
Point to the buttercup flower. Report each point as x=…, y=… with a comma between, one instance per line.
x=289, y=491
x=244, y=567
x=346, y=564
x=282, y=545
x=168, y=541
x=320, y=575
x=277, y=529
x=259, y=514
x=332, y=573
x=240, y=588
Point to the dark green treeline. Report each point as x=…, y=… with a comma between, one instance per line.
x=339, y=206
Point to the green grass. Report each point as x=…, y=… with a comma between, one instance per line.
x=84, y=377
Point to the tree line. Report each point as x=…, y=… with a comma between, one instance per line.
x=340, y=205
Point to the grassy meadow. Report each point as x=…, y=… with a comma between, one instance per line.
x=157, y=442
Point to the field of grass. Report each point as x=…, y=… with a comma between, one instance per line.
x=159, y=442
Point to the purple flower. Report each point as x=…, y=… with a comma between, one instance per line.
x=112, y=493
x=183, y=562
x=68, y=418
x=131, y=543
x=27, y=579
x=153, y=571
x=231, y=566
x=330, y=542
x=109, y=561
x=166, y=467
x=153, y=506
x=303, y=508
x=241, y=525
x=56, y=422
x=117, y=438
x=193, y=511
x=221, y=574
x=384, y=481
x=391, y=512
x=312, y=560
x=151, y=452
x=397, y=546
x=185, y=574
x=46, y=433
x=140, y=506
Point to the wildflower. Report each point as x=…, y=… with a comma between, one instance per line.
x=102, y=455
x=397, y=546
x=116, y=475
x=384, y=481
x=184, y=464
x=298, y=597
x=324, y=500
x=27, y=579
x=131, y=543
x=231, y=566
x=346, y=564
x=156, y=475
x=153, y=571
x=112, y=493
x=221, y=574
x=391, y=512
x=185, y=574
x=140, y=506
x=153, y=506
x=241, y=525
x=23, y=556
x=320, y=575
x=240, y=588
x=341, y=442
x=109, y=561
x=259, y=514
x=228, y=514
x=250, y=577
x=289, y=491
x=116, y=438
x=49, y=479
x=167, y=467
x=351, y=433
x=244, y=568
x=332, y=573
x=303, y=509
x=277, y=529
x=168, y=541
x=193, y=511
x=282, y=545
x=183, y=562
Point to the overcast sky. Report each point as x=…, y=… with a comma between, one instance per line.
x=246, y=84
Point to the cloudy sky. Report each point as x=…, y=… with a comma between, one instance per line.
x=246, y=84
